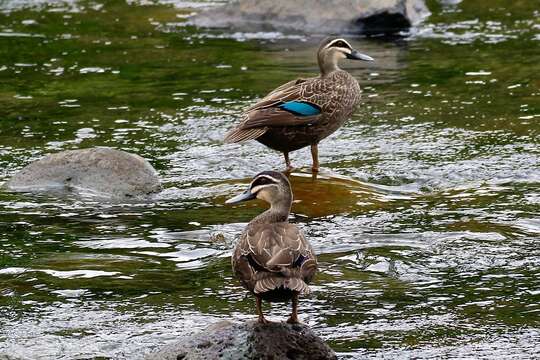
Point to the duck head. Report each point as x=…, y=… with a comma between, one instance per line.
x=332, y=50
x=270, y=186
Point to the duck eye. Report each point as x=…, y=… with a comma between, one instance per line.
x=339, y=44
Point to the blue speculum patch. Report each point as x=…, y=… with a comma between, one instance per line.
x=301, y=108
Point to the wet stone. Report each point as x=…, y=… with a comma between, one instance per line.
x=250, y=340
x=307, y=16
x=99, y=172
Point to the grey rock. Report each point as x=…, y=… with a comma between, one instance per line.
x=251, y=340
x=100, y=171
x=315, y=16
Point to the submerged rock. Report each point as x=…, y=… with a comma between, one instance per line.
x=338, y=16
x=99, y=171
x=251, y=340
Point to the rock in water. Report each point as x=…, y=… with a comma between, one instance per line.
x=251, y=340
x=321, y=16
x=99, y=171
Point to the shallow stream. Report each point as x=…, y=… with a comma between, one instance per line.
x=426, y=215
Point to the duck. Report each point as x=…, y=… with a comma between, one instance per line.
x=273, y=259
x=304, y=111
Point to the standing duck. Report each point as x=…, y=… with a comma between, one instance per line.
x=273, y=259
x=302, y=112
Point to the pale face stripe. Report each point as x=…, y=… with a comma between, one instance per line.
x=259, y=187
x=335, y=41
x=271, y=178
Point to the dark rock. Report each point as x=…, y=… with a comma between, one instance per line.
x=309, y=16
x=99, y=171
x=251, y=340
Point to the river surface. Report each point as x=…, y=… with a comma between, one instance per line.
x=425, y=215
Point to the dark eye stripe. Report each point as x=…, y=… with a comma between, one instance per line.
x=340, y=44
x=263, y=180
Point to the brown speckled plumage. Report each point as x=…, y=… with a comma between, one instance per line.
x=337, y=95
x=272, y=256
x=334, y=91
x=273, y=259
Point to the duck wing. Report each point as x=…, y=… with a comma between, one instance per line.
x=270, y=256
x=298, y=102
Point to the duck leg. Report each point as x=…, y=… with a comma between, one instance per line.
x=315, y=156
x=287, y=162
x=261, y=319
x=293, y=319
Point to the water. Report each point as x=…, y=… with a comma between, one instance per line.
x=425, y=216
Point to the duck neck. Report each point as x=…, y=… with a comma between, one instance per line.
x=279, y=212
x=328, y=64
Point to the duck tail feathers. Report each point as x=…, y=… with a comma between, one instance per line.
x=239, y=135
x=272, y=283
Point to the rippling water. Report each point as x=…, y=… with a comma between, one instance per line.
x=425, y=216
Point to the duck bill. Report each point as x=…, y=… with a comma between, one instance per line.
x=245, y=196
x=355, y=55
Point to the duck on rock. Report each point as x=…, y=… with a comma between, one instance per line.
x=302, y=112
x=273, y=259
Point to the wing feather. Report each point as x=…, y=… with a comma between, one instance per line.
x=268, y=113
x=271, y=117
x=269, y=256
